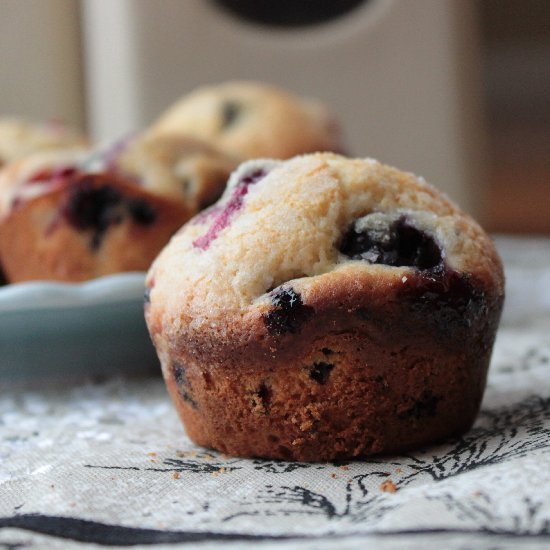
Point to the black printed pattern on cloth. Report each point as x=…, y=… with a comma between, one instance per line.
x=494, y=480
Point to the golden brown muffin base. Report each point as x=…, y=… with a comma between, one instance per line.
x=406, y=369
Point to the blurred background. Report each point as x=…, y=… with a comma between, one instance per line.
x=455, y=90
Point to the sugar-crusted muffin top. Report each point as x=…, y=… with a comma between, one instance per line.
x=251, y=120
x=174, y=167
x=302, y=230
x=19, y=138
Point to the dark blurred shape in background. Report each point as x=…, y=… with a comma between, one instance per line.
x=289, y=13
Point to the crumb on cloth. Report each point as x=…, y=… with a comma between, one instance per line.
x=388, y=486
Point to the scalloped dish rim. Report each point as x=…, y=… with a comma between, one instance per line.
x=34, y=295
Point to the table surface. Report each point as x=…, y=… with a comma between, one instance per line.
x=86, y=464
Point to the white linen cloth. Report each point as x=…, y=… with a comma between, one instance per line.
x=107, y=463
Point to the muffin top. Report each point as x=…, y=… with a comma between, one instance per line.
x=309, y=232
x=175, y=167
x=252, y=120
x=19, y=138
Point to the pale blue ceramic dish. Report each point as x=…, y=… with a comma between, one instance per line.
x=57, y=329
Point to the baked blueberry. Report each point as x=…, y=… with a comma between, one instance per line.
x=141, y=211
x=399, y=243
x=184, y=386
x=94, y=209
x=288, y=312
x=320, y=372
x=231, y=111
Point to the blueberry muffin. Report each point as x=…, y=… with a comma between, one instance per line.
x=19, y=138
x=175, y=166
x=250, y=120
x=73, y=215
x=325, y=308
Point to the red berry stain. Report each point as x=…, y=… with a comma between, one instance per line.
x=53, y=175
x=235, y=203
x=50, y=177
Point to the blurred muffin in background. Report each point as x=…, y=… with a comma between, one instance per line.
x=19, y=138
x=70, y=213
x=251, y=120
x=77, y=214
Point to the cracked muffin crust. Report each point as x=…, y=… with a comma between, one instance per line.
x=251, y=120
x=325, y=308
x=77, y=214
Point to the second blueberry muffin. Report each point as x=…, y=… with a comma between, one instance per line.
x=250, y=119
x=76, y=214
